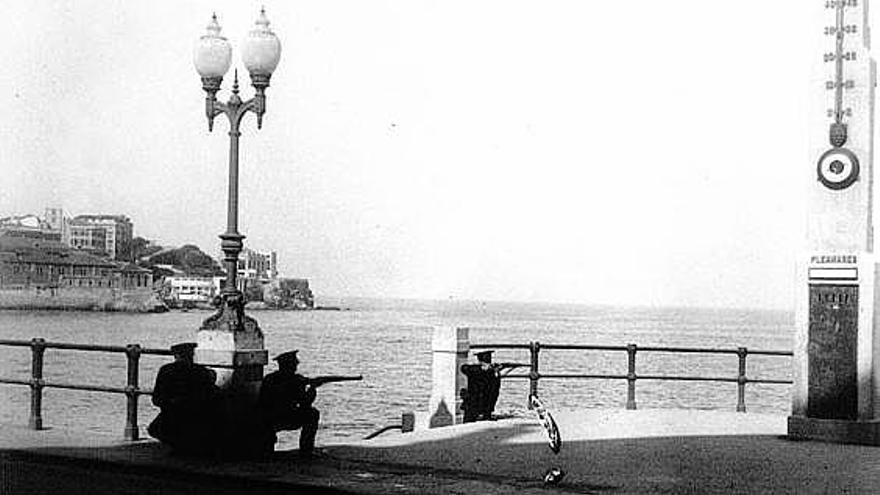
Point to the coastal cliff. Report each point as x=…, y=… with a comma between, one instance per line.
x=285, y=293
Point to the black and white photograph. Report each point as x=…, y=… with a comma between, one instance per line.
x=438, y=247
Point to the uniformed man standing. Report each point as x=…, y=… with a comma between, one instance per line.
x=483, y=385
x=286, y=399
x=188, y=399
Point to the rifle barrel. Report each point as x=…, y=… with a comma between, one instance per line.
x=320, y=380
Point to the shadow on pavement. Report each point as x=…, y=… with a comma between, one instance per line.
x=672, y=464
x=149, y=467
x=502, y=457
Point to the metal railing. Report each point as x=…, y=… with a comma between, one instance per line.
x=741, y=379
x=133, y=352
x=37, y=383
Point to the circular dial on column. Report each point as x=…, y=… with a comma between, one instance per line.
x=838, y=168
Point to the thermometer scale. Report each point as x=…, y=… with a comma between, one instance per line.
x=838, y=167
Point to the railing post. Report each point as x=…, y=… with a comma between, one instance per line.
x=133, y=353
x=38, y=348
x=534, y=349
x=631, y=376
x=741, y=380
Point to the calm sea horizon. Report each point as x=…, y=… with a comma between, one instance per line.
x=388, y=341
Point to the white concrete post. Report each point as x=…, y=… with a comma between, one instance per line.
x=450, y=348
x=836, y=363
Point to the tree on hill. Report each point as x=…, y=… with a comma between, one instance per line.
x=187, y=258
x=140, y=247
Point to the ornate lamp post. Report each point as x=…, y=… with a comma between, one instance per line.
x=212, y=57
x=230, y=341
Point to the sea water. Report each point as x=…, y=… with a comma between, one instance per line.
x=389, y=343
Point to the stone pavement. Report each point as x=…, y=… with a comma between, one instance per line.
x=604, y=451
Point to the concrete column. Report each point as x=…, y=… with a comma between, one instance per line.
x=450, y=348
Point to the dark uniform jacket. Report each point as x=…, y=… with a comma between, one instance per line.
x=284, y=393
x=183, y=385
x=187, y=397
x=484, y=383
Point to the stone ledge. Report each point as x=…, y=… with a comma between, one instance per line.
x=834, y=430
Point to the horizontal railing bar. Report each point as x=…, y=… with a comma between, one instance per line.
x=585, y=376
x=691, y=350
x=688, y=378
x=709, y=350
x=712, y=379
x=772, y=353
x=654, y=377
x=14, y=381
x=105, y=348
x=644, y=377
x=21, y=343
x=73, y=386
x=93, y=388
x=578, y=347
x=575, y=347
x=499, y=346
x=84, y=347
x=166, y=352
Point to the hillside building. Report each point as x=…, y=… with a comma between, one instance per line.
x=107, y=234
x=255, y=265
x=184, y=290
x=101, y=235
x=33, y=264
x=29, y=227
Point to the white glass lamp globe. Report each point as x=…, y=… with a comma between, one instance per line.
x=261, y=49
x=212, y=54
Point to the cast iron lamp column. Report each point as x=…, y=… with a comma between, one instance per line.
x=260, y=55
x=229, y=341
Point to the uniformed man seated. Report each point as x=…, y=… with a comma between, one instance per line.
x=188, y=399
x=286, y=399
x=483, y=385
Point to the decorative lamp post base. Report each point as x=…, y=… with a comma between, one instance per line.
x=231, y=343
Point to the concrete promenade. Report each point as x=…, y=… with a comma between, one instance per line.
x=604, y=451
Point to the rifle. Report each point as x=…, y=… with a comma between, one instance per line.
x=510, y=367
x=514, y=365
x=321, y=380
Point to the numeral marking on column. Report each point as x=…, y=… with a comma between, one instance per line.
x=833, y=4
x=847, y=112
x=848, y=84
x=831, y=56
x=847, y=29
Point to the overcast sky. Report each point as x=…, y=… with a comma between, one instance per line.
x=625, y=152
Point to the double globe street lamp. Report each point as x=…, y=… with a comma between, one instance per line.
x=212, y=57
x=229, y=341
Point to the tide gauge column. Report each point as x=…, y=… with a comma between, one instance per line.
x=837, y=360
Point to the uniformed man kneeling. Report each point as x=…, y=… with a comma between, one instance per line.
x=189, y=403
x=286, y=399
x=483, y=386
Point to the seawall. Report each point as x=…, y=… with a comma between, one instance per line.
x=141, y=300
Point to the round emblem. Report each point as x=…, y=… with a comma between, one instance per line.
x=838, y=168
